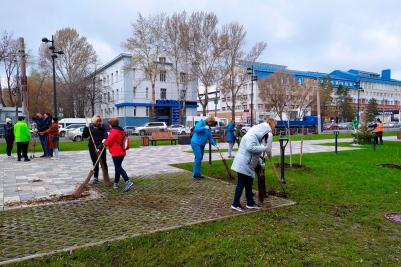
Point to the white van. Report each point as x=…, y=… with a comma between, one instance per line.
x=71, y=123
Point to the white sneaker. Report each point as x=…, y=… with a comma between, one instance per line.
x=238, y=208
x=52, y=158
x=254, y=206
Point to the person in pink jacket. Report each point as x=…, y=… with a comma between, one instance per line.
x=115, y=144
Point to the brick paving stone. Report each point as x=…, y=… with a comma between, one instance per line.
x=155, y=203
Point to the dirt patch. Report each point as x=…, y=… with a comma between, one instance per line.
x=52, y=199
x=389, y=165
x=295, y=166
x=37, y=180
x=277, y=194
x=393, y=217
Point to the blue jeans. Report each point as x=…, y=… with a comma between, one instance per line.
x=118, y=161
x=198, y=151
x=43, y=143
x=244, y=181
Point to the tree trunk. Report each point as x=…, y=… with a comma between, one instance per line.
x=152, y=107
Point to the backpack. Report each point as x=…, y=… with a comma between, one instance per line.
x=126, y=143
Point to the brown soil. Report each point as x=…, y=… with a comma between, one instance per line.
x=389, y=165
x=393, y=217
x=294, y=166
x=49, y=200
x=277, y=194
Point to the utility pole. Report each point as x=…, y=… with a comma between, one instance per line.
x=23, y=84
x=319, y=122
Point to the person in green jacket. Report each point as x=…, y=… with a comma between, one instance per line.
x=22, y=135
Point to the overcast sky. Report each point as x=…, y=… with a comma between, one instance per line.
x=312, y=35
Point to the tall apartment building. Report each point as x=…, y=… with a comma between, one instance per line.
x=127, y=93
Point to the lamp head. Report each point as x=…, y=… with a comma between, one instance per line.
x=45, y=40
x=60, y=52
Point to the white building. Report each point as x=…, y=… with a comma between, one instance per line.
x=128, y=95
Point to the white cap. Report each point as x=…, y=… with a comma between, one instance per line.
x=8, y=120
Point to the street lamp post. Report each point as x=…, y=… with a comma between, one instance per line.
x=250, y=71
x=54, y=54
x=360, y=89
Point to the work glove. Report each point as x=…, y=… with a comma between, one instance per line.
x=207, y=127
x=100, y=146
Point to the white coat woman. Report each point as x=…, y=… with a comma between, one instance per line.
x=248, y=157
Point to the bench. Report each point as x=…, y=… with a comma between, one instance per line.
x=162, y=136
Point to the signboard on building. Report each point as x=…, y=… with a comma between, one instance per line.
x=175, y=116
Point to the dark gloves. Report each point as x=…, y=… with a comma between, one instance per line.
x=100, y=146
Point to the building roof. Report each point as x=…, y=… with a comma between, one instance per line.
x=114, y=61
x=338, y=77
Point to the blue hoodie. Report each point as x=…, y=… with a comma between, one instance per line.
x=201, y=134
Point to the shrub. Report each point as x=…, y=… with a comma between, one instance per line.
x=363, y=135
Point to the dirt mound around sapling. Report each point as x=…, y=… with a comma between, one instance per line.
x=390, y=165
x=294, y=166
x=277, y=193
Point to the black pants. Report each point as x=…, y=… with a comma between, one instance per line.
x=92, y=153
x=10, y=144
x=22, y=150
x=379, y=135
x=244, y=181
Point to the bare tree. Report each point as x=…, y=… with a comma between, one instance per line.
x=304, y=97
x=206, y=51
x=147, y=44
x=234, y=77
x=72, y=69
x=8, y=51
x=176, y=40
x=278, y=92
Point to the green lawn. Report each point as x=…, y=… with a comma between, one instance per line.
x=338, y=220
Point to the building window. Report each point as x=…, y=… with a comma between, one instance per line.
x=223, y=99
x=134, y=91
x=163, y=93
x=108, y=96
x=228, y=98
x=183, y=94
x=162, y=59
x=147, y=93
x=162, y=75
x=182, y=77
x=245, y=106
x=223, y=108
x=112, y=80
x=116, y=75
x=117, y=96
x=108, y=80
x=134, y=111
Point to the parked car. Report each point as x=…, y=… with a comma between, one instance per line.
x=179, y=129
x=129, y=130
x=75, y=134
x=345, y=126
x=390, y=124
x=245, y=128
x=151, y=127
x=63, y=131
x=330, y=126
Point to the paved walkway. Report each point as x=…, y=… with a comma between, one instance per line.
x=22, y=181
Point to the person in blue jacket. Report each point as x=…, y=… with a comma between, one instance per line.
x=201, y=135
x=230, y=138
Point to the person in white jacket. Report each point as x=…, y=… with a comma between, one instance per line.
x=248, y=157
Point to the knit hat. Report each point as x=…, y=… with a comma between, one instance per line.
x=8, y=120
